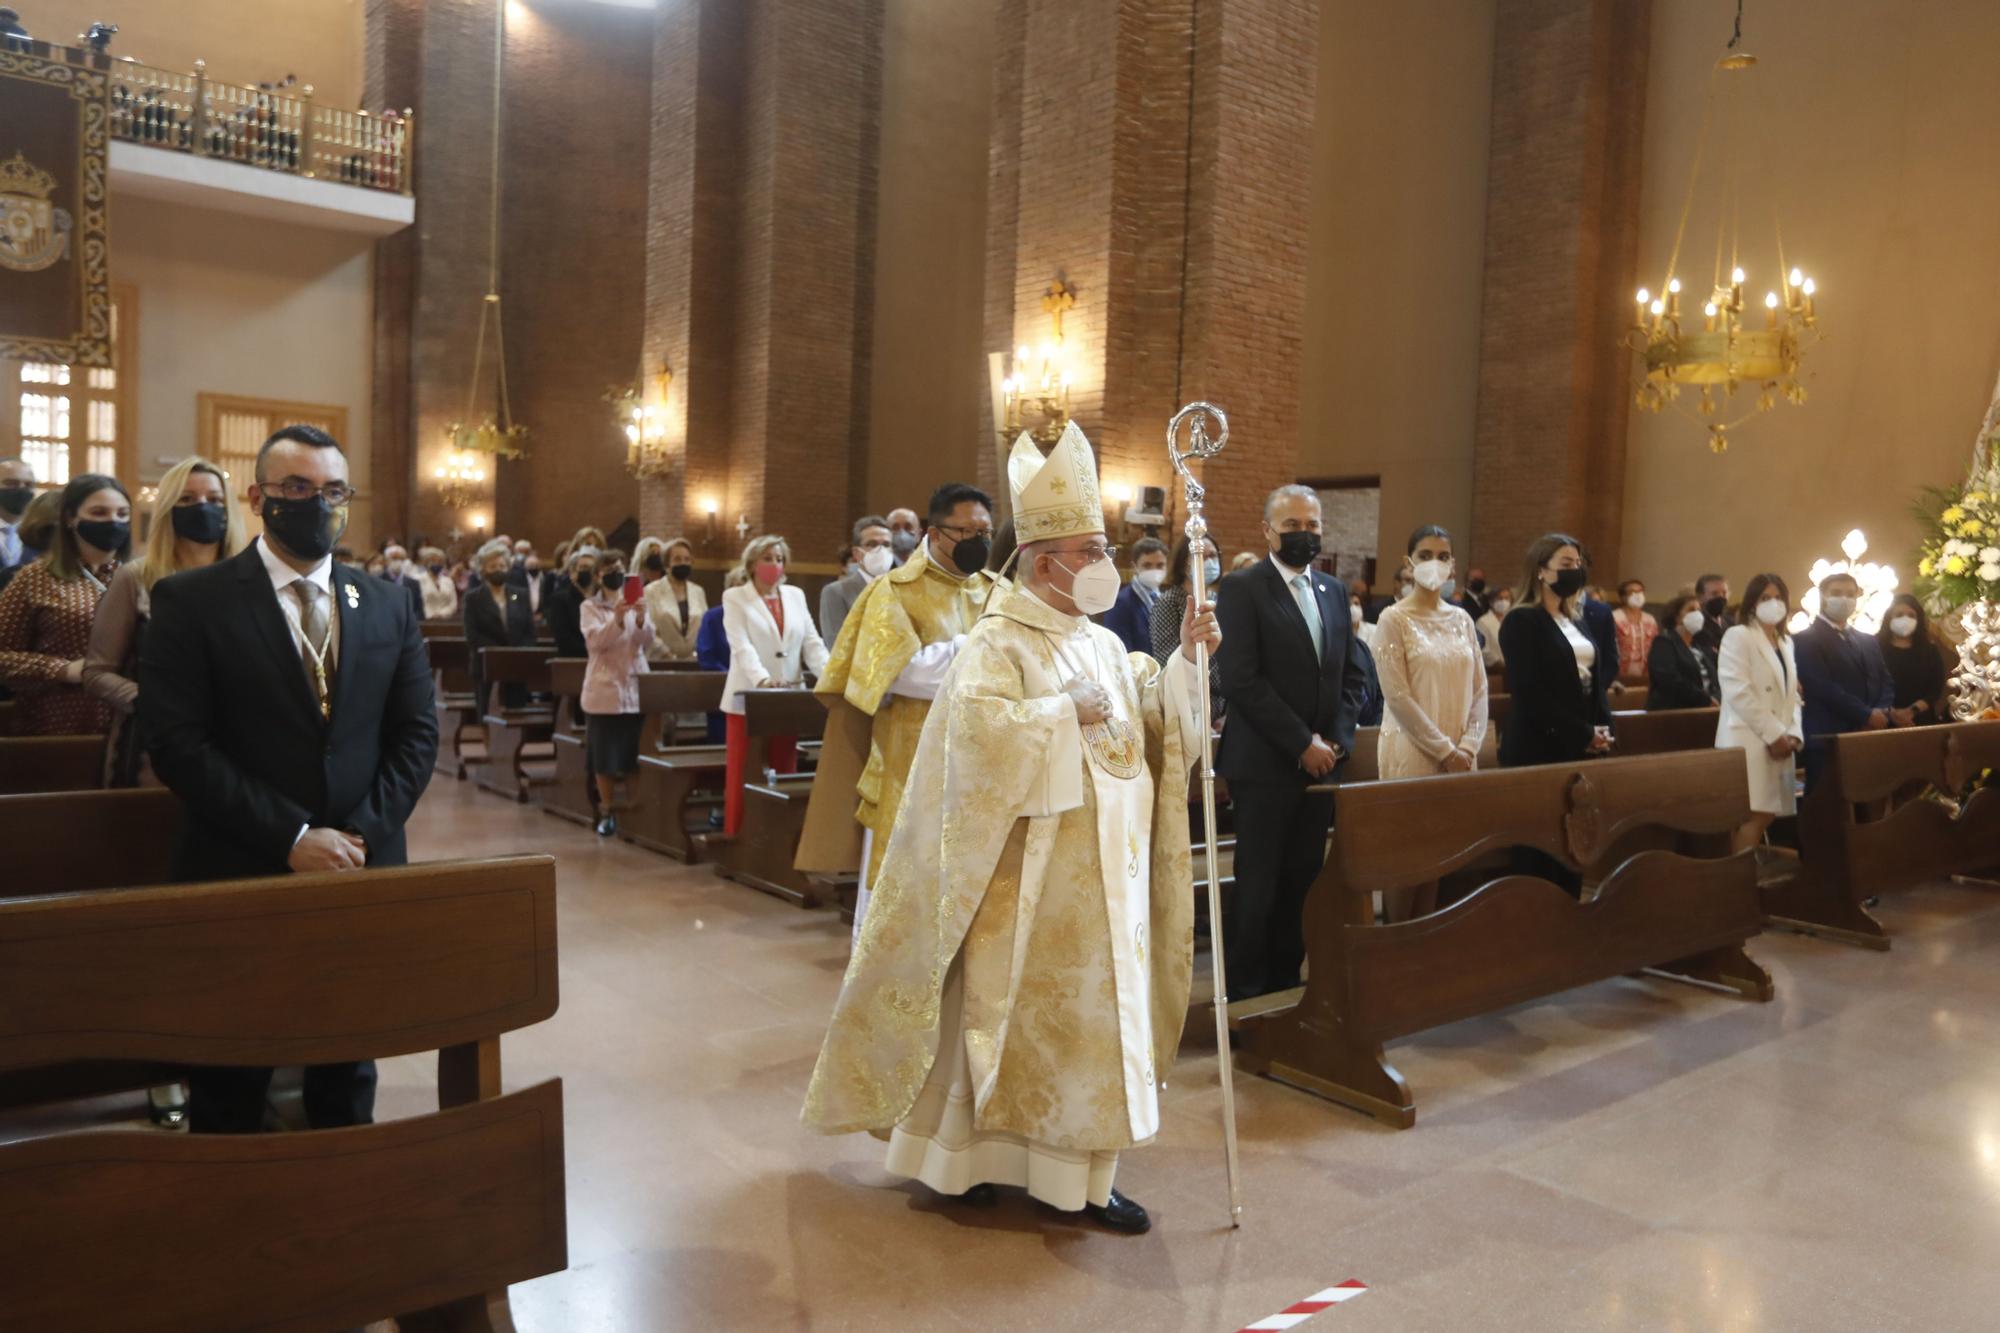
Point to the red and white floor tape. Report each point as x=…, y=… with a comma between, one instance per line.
x=1297, y=1314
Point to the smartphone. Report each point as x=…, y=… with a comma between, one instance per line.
x=633, y=590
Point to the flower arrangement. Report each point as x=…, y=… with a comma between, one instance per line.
x=1959, y=559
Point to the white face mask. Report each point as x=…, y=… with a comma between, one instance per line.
x=1693, y=622
x=1095, y=589
x=1501, y=608
x=1354, y=613
x=1903, y=626
x=1150, y=578
x=877, y=561
x=1431, y=574
x=1771, y=611
x=1637, y=601
x=1837, y=609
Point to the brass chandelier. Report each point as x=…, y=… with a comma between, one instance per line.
x=1722, y=347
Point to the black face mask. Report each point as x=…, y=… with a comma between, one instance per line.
x=104, y=534
x=970, y=554
x=682, y=573
x=435, y=570
x=582, y=578
x=656, y=564
x=308, y=529
x=14, y=500
x=1569, y=582
x=1298, y=549
x=1475, y=585
x=1714, y=607
x=613, y=582
x=203, y=523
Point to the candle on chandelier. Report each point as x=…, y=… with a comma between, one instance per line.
x=1645, y=299
x=1708, y=312
x=1673, y=298
x=1771, y=309
x=1736, y=277
x=1806, y=289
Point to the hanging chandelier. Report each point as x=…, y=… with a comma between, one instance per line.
x=1740, y=360
x=498, y=433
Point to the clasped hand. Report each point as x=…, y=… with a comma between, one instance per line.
x=1091, y=700
x=328, y=849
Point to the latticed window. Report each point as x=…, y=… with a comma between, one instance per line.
x=69, y=420
x=232, y=429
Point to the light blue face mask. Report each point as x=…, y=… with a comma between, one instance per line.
x=1211, y=572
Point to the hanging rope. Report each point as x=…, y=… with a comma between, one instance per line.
x=490, y=307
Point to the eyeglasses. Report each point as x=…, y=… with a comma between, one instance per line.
x=881, y=545
x=960, y=534
x=1093, y=553
x=336, y=493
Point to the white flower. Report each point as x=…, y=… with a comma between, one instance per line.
x=1990, y=556
x=1990, y=572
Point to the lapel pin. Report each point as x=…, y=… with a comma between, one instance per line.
x=353, y=597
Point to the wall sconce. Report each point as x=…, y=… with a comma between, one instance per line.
x=641, y=412
x=1036, y=399
x=461, y=479
x=709, y=509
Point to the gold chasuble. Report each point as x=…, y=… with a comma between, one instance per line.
x=871, y=734
x=1021, y=979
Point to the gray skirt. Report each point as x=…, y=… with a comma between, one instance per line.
x=612, y=742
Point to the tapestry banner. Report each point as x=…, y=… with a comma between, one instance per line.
x=55, y=282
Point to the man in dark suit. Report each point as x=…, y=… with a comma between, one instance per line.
x=1713, y=592
x=1294, y=690
x=287, y=702
x=528, y=575
x=396, y=573
x=1841, y=673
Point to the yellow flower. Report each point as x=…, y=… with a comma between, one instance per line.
x=1954, y=564
x=1951, y=515
x=1926, y=566
x=1972, y=527
x=1976, y=497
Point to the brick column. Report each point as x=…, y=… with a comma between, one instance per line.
x=1127, y=160
x=758, y=263
x=1562, y=224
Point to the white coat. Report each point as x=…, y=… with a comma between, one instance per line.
x=1760, y=703
x=758, y=652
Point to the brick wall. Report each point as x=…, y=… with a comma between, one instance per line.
x=578, y=86
x=1561, y=235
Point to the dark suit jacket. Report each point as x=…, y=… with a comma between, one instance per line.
x=233, y=727
x=410, y=589
x=487, y=626
x=1842, y=677
x=1278, y=695
x=1674, y=674
x=1553, y=711
x=563, y=614
x=519, y=577
x=1131, y=620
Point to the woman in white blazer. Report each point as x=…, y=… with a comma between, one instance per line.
x=772, y=644
x=1761, y=704
x=673, y=599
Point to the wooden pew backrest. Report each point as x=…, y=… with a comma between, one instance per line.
x=681, y=691
x=51, y=763
x=287, y=970
x=1665, y=731
x=62, y=842
x=796, y=713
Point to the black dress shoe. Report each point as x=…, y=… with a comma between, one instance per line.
x=607, y=826
x=982, y=1195
x=1120, y=1214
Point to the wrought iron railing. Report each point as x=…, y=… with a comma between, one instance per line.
x=276, y=129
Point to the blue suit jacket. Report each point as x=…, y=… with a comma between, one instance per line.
x=1843, y=678
x=1131, y=620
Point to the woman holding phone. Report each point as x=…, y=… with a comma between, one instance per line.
x=616, y=631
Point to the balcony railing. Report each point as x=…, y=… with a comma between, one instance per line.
x=274, y=129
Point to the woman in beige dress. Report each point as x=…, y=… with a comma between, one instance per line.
x=1433, y=677
x=675, y=602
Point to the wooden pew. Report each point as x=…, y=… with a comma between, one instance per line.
x=429, y=1218
x=1365, y=764
x=70, y=841
x=51, y=763
x=1514, y=937
x=667, y=802
x=1664, y=732
x=457, y=703
x=510, y=732
x=571, y=796
x=774, y=813
x=1856, y=841
x=8, y=711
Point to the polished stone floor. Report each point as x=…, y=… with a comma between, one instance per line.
x=1634, y=1155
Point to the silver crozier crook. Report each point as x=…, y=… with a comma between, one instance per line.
x=1199, y=445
